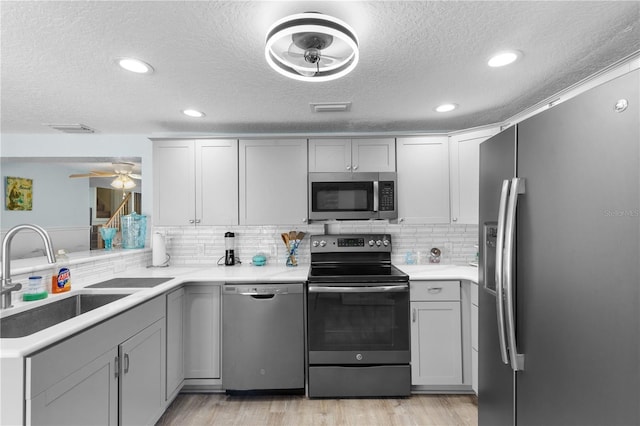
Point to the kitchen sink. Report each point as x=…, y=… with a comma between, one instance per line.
x=45, y=316
x=130, y=282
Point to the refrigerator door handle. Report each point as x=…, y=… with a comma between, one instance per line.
x=502, y=211
x=517, y=188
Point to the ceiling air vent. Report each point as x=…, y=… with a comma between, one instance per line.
x=72, y=128
x=330, y=107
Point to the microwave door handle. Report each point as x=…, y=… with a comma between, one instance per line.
x=375, y=195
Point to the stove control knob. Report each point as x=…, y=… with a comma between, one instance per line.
x=323, y=243
x=359, y=357
x=385, y=243
x=378, y=243
x=316, y=243
x=371, y=243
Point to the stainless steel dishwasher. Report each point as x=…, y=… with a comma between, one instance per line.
x=263, y=336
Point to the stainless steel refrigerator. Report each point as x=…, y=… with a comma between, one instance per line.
x=559, y=299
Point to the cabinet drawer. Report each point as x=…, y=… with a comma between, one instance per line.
x=434, y=290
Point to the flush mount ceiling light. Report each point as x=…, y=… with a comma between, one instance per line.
x=193, y=113
x=506, y=57
x=446, y=107
x=135, y=65
x=311, y=47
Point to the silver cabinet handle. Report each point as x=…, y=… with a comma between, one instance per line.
x=502, y=211
x=375, y=196
x=517, y=188
x=413, y=315
x=126, y=363
x=434, y=290
x=116, y=368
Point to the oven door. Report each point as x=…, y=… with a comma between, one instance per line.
x=365, y=325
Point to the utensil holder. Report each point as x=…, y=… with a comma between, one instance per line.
x=293, y=252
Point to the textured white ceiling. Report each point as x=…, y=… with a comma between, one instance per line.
x=57, y=63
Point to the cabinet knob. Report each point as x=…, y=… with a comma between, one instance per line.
x=348, y=166
x=197, y=220
x=455, y=219
x=304, y=220
x=355, y=167
x=191, y=221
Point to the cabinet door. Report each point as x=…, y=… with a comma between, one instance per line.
x=142, y=376
x=216, y=182
x=373, y=155
x=202, y=332
x=436, y=343
x=423, y=179
x=173, y=182
x=88, y=396
x=273, y=182
x=465, y=173
x=175, y=342
x=329, y=155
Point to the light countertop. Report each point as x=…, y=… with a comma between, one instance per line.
x=19, y=347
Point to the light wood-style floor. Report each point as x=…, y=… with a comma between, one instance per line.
x=221, y=409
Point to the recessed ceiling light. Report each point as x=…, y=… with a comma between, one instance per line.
x=501, y=59
x=193, y=113
x=135, y=65
x=446, y=107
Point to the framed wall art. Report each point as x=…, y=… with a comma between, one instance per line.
x=18, y=193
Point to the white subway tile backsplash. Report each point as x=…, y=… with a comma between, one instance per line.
x=457, y=242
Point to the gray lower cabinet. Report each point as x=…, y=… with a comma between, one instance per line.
x=142, y=396
x=202, y=331
x=175, y=342
x=109, y=374
x=436, y=333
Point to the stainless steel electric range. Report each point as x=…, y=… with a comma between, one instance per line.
x=357, y=318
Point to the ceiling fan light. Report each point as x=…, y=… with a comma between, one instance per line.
x=135, y=65
x=123, y=182
x=506, y=57
x=342, y=41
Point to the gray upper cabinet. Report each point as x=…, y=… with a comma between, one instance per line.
x=423, y=179
x=352, y=155
x=273, y=181
x=195, y=182
x=464, y=149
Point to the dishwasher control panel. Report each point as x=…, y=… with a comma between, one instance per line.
x=255, y=289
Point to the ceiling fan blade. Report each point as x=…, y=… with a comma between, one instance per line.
x=81, y=175
x=135, y=176
x=93, y=173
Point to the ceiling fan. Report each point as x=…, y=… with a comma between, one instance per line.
x=121, y=171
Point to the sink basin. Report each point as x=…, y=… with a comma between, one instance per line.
x=130, y=282
x=45, y=316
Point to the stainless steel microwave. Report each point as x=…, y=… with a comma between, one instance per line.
x=352, y=196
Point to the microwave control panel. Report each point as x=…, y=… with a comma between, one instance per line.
x=387, y=197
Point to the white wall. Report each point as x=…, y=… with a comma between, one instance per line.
x=61, y=205
x=92, y=145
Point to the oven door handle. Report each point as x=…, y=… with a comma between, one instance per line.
x=376, y=289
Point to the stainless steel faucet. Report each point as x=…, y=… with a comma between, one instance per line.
x=7, y=287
